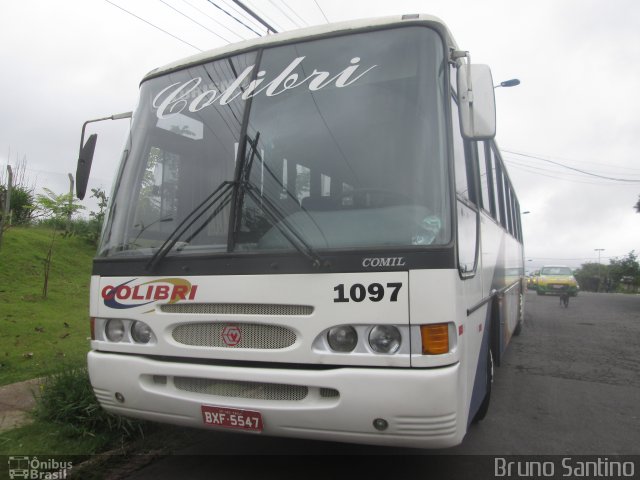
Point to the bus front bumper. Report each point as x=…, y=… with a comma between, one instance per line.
x=420, y=407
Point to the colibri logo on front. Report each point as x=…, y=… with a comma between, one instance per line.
x=131, y=294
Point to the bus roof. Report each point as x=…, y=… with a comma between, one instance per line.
x=304, y=33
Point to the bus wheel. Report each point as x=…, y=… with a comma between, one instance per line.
x=484, y=406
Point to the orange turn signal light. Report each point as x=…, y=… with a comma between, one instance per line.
x=435, y=338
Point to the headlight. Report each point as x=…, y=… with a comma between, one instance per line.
x=343, y=338
x=114, y=330
x=141, y=332
x=385, y=339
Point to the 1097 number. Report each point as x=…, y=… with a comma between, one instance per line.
x=375, y=292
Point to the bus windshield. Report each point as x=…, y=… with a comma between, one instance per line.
x=340, y=139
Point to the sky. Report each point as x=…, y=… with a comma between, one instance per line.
x=569, y=133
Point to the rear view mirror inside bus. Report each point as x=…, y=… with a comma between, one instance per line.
x=476, y=102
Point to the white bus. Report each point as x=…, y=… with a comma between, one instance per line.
x=310, y=235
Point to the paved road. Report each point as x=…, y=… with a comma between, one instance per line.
x=569, y=385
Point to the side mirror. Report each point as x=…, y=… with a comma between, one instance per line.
x=476, y=102
x=86, y=154
x=84, y=165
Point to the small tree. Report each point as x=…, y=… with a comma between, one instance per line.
x=97, y=218
x=625, y=268
x=58, y=208
x=591, y=275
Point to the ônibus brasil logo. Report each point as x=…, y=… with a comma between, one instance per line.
x=131, y=295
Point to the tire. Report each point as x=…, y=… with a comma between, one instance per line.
x=484, y=406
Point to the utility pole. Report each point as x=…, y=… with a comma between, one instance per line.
x=70, y=203
x=7, y=202
x=599, y=250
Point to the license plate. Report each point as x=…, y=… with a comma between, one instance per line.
x=558, y=287
x=232, y=418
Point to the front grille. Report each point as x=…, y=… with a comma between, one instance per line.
x=252, y=390
x=263, y=309
x=329, y=393
x=234, y=335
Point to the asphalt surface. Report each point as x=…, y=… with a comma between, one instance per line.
x=569, y=385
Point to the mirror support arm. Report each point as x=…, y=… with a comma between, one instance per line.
x=85, y=156
x=118, y=116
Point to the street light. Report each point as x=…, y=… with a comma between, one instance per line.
x=508, y=83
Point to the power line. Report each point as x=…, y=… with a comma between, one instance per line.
x=284, y=13
x=257, y=10
x=154, y=26
x=195, y=21
x=234, y=17
x=232, y=6
x=572, y=168
x=556, y=171
x=214, y=20
x=321, y=11
x=537, y=171
x=261, y=14
x=255, y=15
x=295, y=13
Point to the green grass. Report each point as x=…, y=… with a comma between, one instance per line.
x=48, y=338
x=38, y=335
x=70, y=421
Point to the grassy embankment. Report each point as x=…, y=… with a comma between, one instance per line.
x=38, y=335
x=41, y=336
x=48, y=337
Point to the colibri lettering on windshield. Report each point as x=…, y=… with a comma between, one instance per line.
x=195, y=96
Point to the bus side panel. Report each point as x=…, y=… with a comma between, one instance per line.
x=437, y=296
x=502, y=267
x=479, y=385
x=501, y=258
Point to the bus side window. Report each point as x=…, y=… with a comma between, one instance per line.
x=465, y=186
x=486, y=185
x=467, y=216
x=497, y=172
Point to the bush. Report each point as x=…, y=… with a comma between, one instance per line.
x=67, y=398
x=21, y=204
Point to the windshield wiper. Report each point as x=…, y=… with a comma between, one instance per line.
x=287, y=230
x=224, y=194
x=276, y=217
x=224, y=190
